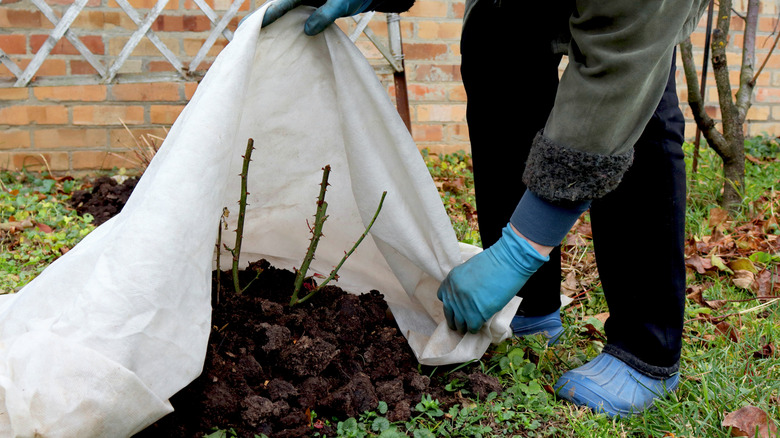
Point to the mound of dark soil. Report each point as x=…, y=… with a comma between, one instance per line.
x=269, y=366
x=104, y=199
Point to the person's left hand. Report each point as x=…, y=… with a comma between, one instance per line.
x=321, y=18
x=483, y=285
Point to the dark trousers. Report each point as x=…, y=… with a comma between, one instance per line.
x=638, y=229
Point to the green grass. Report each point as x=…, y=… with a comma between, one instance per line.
x=43, y=227
x=720, y=372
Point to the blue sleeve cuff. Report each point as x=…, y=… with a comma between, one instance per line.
x=542, y=221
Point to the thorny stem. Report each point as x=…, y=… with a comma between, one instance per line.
x=333, y=273
x=219, y=249
x=241, y=214
x=316, y=231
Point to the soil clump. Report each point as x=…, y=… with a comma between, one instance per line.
x=104, y=199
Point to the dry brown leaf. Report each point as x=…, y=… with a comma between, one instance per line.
x=743, y=279
x=602, y=317
x=694, y=293
x=765, y=352
x=698, y=263
x=727, y=330
x=767, y=283
x=715, y=304
x=570, y=286
x=750, y=421
x=717, y=217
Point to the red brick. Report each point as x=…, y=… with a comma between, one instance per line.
x=160, y=91
x=68, y=2
x=155, y=66
x=34, y=161
x=192, y=46
x=14, y=139
x=189, y=89
x=14, y=93
x=32, y=115
x=144, y=48
x=197, y=23
x=437, y=30
x=50, y=67
x=441, y=113
x=64, y=47
x=425, y=92
x=437, y=73
x=164, y=114
x=428, y=8
x=218, y=5
x=458, y=131
x=425, y=51
x=78, y=67
x=425, y=133
x=102, y=160
x=107, y=115
x=90, y=19
x=13, y=44
x=767, y=24
x=84, y=93
x=457, y=93
x=129, y=139
x=168, y=23
x=145, y=4
x=20, y=18
x=69, y=137
x=458, y=9
x=53, y=67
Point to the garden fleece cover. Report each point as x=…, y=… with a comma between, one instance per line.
x=97, y=344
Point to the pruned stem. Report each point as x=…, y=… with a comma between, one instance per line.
x=316, y=231
x=241, y=214
x=334, y=272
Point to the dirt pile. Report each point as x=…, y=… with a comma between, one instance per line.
x=270, y=366
x=104, y=199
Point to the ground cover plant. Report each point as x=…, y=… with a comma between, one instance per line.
x=730, y=358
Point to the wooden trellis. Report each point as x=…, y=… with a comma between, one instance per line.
x=109, y=73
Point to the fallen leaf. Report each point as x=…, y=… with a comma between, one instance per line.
x=43, y=227
x=719, y=263
x=570, y=286
x=602, y=317
x=715, y=304
x=765, y=352
x=750, y=421
x=717, y=217
x=767, y=283
x=694, y=293
x=727, y=330
x=698, y=263
x=742, y=264
x=743, y=279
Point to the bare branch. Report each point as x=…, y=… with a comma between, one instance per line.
x=746, y=81
x=695, y=98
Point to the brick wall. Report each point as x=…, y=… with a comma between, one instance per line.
x=87, y=127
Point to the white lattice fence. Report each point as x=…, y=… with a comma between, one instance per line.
x=110, y=69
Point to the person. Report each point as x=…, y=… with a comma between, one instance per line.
x=607, y=137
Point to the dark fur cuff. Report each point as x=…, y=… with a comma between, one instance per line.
x=557, y=173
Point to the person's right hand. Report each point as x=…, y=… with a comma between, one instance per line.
x=321, y=18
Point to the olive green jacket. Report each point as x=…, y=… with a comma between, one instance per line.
x=619, y=59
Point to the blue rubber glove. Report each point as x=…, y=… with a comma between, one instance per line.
x=321, y=18
x=474, y=291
